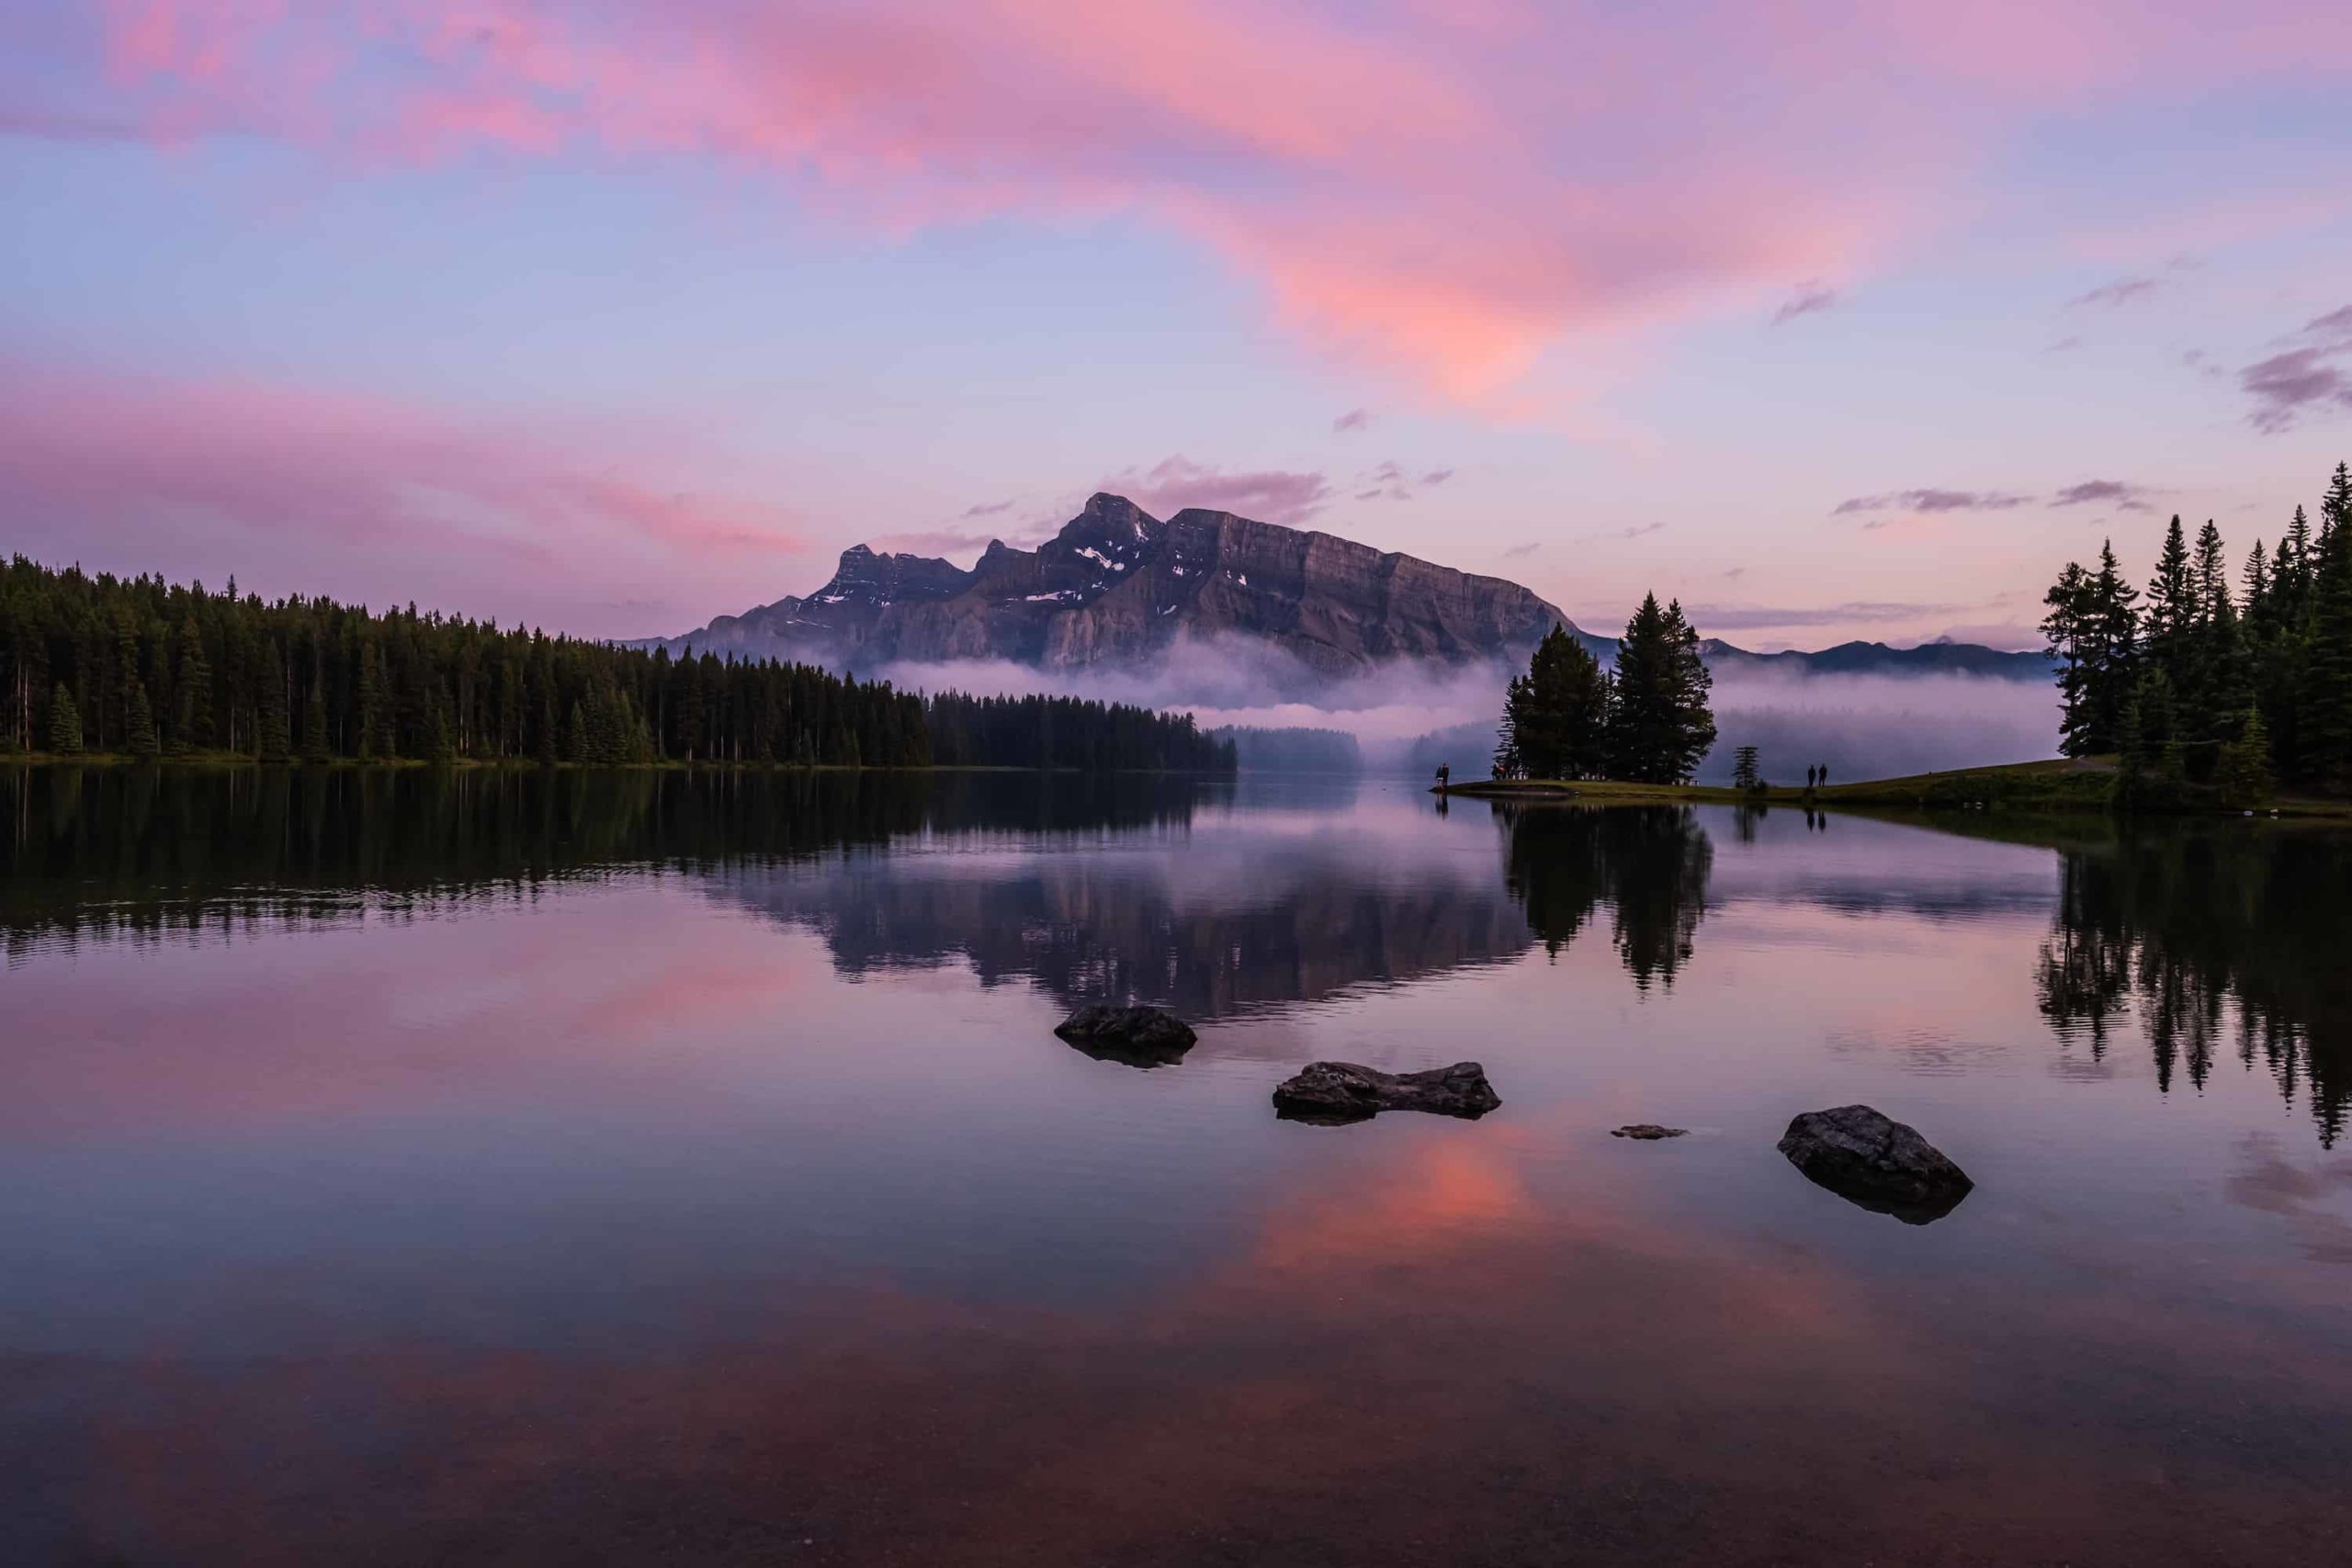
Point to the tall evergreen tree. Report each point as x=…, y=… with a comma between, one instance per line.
x=1660, y=726
x=1555, y=718
x=192, y=691
x=139, y=735
x=273, y=735
x=65, y=722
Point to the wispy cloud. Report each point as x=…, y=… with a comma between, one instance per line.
x=1528, y=549
x=2122, y=495
x=1753, y=617
x=1932, y=501
x=1391, y=481
x=1809, y=299
x=2307, y=378
x=989, y=509
x=1354, y=419
x=2122, y=291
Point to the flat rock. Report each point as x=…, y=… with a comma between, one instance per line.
x=1870, y=1159
x=1139, y=1036
x=1343, y=1092
x=1646, y=1131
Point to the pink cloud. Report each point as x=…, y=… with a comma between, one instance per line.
x=1448, y=195
x=204, y=475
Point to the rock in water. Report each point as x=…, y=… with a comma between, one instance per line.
x=1139, y=1036
x=1870, y=1160
x=1343, y=1092
x=1646, y=1131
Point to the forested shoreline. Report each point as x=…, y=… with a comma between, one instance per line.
x=2210, y=692
x=137, y=666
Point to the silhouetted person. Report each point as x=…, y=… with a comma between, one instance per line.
x=1825, y=774
x=1809, y=774
x=1444, y=772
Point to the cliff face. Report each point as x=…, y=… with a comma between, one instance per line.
x=1116, y=587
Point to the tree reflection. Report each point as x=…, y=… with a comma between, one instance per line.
x=2214, y=940
x=1648, y=864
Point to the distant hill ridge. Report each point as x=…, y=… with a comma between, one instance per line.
x=1119, y=589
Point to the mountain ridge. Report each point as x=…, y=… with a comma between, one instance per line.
x=1117, y=589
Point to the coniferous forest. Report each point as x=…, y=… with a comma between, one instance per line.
x=139, y=667
x=2209, y=691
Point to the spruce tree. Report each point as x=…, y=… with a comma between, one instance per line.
x=2325, y=732
x=2172, y=608
x=273, y=736
x=2245, y=774
x=65, y=722
x=192, y=691
x=1660, y=726
x=318, y=744
x=1745, y=775
x=1556, y=718
x=139, y=722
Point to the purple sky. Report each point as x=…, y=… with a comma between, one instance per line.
x=1834, y=321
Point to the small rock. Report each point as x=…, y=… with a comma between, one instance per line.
x=1343, y=1092
x=1139, y=1036
x=1646, y=1130
x=1873, y=1160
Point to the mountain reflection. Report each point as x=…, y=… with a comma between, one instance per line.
x=2215, y=939
x=1649, y=865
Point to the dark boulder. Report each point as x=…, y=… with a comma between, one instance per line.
x=1343, y=1092
x=1881, y=1164
x=1646, y=1131
x=1139, y=1036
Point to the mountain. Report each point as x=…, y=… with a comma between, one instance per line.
x=1118, y=590
x=1117, y=587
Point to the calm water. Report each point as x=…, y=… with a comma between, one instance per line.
x=662, y=1169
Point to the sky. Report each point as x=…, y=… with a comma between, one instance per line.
x=1833, y=319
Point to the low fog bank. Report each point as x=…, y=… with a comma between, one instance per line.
x=1250, y=685
x=1408, y=717
x=1874, y=726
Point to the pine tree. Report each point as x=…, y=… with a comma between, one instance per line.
x=2173, y=610
x=318, y=744
x=273, y=737
x=65, y=722
x=1660, y=726
x=139, y=722
x=192, y=717
x=1745, y=775
x=2325, y=731
x=1555, y=718
x=2244, y=775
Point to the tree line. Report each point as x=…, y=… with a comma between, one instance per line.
x=1647, y=722
x=2207, y=690
x=140, y=666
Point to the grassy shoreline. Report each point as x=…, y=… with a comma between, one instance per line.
x=2059, y=784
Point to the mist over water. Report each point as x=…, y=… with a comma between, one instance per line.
x=1866, y=727
x=1408, y=716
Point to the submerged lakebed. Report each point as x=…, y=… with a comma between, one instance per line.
x=682, y=1167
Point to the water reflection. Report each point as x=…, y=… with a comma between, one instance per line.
x=2214, y=940
x=1649, y=865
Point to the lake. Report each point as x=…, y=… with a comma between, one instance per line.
x=668, y=1168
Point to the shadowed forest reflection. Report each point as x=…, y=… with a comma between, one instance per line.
x=2217, y=939
x=1648, y=864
